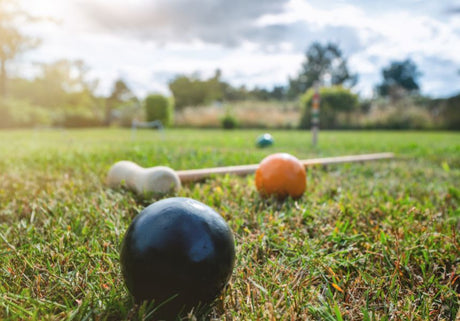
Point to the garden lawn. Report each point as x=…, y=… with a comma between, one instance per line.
x=369, y=241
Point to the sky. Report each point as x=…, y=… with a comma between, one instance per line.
x=254, y=43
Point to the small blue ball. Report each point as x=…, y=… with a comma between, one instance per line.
x=264, y=140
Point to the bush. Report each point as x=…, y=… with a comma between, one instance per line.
x=159, y=107
x=393, y=117
x=335, y=100
x=409, y=112
x=20, y=114
x=229, y=121
x=450, y=113
x=79, y=119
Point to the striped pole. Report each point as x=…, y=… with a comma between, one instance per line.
x=315, y=115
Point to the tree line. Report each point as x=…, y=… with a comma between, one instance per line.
x=324, y=64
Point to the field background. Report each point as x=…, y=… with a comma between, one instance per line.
x=373, y=241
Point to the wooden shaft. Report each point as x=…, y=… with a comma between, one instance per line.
x=198, y=174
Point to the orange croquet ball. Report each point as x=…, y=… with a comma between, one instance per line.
x=281, y=175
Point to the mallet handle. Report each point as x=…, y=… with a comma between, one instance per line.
x=197, y=174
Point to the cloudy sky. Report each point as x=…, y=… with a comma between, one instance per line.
x=257, y=43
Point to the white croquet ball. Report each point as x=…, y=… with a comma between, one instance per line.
x=122, y=174
x=157, y=180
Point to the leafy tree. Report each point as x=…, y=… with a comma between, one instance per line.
x=12, y=41
x=235, y=94
x=121, y=92
x=278, y=92
x=62, y=88
x=399, y=75
x=241, y=93
x=187, y=91
x=324, y=64
x=191, y=91
x=60, y=84
x=215, y=87
x=260, y=94
x=68, y=75
x=121, y=95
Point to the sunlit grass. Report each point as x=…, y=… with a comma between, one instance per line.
x=368, y=241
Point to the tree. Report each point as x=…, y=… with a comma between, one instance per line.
x=260, y=94
x=121, y=94
x=191, y=91
x=399, y=75
x=12, y=41
x=62, y=83
x=278, y=92
x=235, y=94
x=187, y=91
x=215, y=87
x=324, y=64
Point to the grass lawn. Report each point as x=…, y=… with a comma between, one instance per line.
x=372, y=241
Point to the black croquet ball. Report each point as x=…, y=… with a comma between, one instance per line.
x=178, y=251
x=264, y=140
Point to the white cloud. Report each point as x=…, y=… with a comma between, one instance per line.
x=254, y=43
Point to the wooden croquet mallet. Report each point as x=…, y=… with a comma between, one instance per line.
x=161, y=179
x=198, y=174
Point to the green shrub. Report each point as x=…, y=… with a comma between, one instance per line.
x=229, y=121
x=80, y=120
x=77, y=117
x=159, y=107
x=334, y=101
x=406, y=113
x=391, y=117
x=450, y=113
x=20, y=114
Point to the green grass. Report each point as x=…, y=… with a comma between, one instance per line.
x=372, y=241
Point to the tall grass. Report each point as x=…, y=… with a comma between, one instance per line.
x=249, y=114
